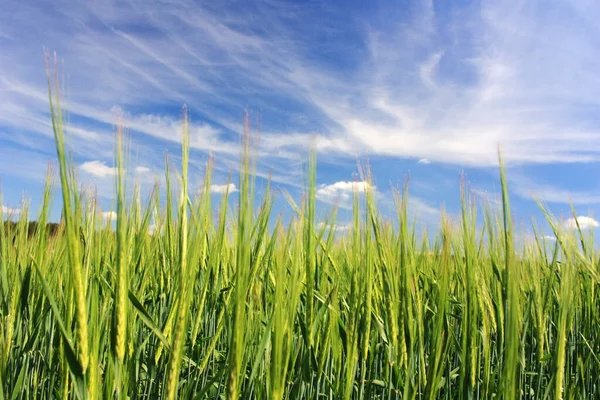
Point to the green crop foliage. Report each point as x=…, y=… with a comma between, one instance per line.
x=219, y=304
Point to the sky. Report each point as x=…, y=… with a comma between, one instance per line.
x=426, y=89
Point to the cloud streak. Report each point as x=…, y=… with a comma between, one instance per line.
x=442, y=87
x=529, y=189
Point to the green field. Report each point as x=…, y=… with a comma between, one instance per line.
x=203, y=307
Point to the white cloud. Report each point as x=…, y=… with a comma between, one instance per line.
x=10, y=211
x=428, y=70
x=336, y=227
x=142, y=170
x=496, y=76
x=201, y=136
x=584, y=223
x=98, y=168
x=341, y=190
x=222, y=189
x=109, y=216
x=424, y=161
x=550, y=238
x=152, y=229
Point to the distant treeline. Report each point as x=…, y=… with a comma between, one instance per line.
x=32, y=227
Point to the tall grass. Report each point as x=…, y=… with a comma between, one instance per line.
x=197, y=309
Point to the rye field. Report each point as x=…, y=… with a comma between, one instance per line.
x=186, y=299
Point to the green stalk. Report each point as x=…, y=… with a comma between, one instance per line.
x=71, y=224
x=237, y=345
x=121, y=260
x=182, y=310
x=511, y=280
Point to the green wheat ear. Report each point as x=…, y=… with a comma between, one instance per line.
x=70, y=206
x=184, y=285
x=121, y=282
x=219, y=303
x=512, y=303
x=242, y=268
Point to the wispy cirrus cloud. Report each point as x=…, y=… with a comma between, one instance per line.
x=549, y=193
x=442, y=87
x=432, y=82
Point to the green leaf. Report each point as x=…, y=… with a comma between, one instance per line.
x=74, y=365
x=18, y=389
x=147, y=319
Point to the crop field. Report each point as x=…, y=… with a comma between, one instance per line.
x=212, y=303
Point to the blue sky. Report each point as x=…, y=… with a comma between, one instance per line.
x=429, y=88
